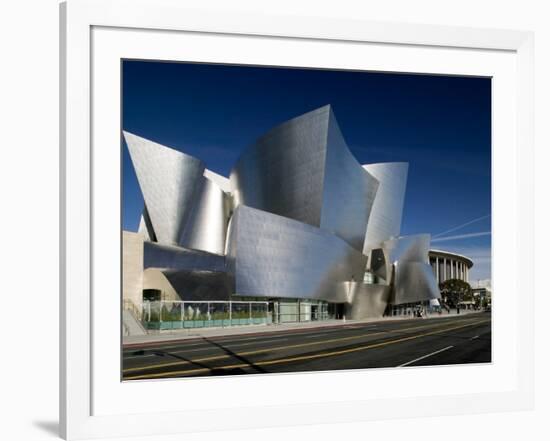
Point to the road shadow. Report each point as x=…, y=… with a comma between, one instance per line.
x=234, y=355
x=212, y=370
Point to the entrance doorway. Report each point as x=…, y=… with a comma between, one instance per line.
x=314, y=312
x=152, y=295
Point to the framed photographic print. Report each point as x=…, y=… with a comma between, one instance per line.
x=317, y=220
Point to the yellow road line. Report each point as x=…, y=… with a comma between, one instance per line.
x=277, y=348
x=304, y=357
x=226, y=339
x=234, y=339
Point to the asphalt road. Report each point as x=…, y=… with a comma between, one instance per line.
x=400, y=343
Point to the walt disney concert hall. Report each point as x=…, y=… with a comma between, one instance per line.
x=297, y=220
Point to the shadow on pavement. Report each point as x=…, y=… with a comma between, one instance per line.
x=212, y=370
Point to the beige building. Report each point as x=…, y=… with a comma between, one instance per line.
x=447, y=265
x=137, y=282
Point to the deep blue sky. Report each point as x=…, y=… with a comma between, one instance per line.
x=441, y=125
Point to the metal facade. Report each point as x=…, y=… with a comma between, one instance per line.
x=367, y=300
x=297, y=218
x=160, y=256
x=200, y=285
x=348, y=191
x=273, y=256
x=184, y=207
x=407, y=259
x=303, y=170
x=414, y=282
x=283, y=172
x=168, y=181
x=386, y=213
x=208, y=217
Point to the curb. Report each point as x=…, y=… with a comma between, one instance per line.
x=350, y=323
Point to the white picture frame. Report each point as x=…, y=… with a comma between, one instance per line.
x=91, y=404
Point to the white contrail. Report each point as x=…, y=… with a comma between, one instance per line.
x=462, y=225
x=461, y=236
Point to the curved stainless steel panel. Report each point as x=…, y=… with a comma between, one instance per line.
x=170, y=257
x=304, y=209
x=283, y=172
x=194, y=275
x=221, y=181
x=367, y=301
x=207, y=222
x=168, y=180
x=183, y=207
x=412, y=276
x=200, y=285
x=303, y=170
x=348, y=191
x=414, y=282
x=387, y=210
x=273, y=256
x=412, y=248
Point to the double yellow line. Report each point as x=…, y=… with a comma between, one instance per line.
x=277, y=348
x=288, y=359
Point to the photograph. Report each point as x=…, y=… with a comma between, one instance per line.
x=283, y=219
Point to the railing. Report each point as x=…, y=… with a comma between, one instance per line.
x=136, y=310
x=125, y=329
x=137, y=313
x=166, y=314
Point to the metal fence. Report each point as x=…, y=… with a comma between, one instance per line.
x=165, y=314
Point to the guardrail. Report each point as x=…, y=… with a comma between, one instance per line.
x=136, y=310
x=165, y=314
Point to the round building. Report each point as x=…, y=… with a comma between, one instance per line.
x=447, y=265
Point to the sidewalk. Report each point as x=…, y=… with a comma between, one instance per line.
x=194, y=333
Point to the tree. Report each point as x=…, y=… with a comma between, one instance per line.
x=454, y=291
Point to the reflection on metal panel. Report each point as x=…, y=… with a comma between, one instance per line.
x=207, y=222
x=200, y=285
x=230, y=247
x=221, y=181
x=367, y=301
x=279, y=257
x=413, y=278
x=348, y=191
x=170, y=257
x=142, y=229
x=183, y=207
x=387, y=210
x=305, y=216
x=412, y=248
x=148, y=225
x=303, y=170
x=378, y=264
x=414, y=282
x=283, y=172
x=168, y=180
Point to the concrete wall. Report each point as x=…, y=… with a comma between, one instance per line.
x=132, y=266
x=155, y=279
